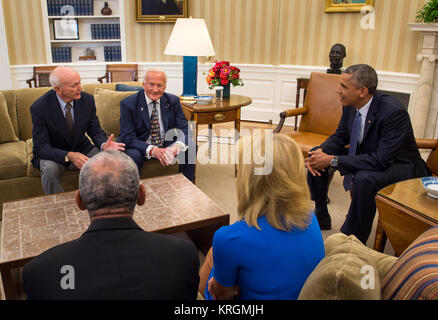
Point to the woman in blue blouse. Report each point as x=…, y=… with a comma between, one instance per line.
x=276, y=244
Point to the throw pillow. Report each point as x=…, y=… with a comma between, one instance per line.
x=125, y=87
x=108, y=108
x=415, y=274
x=7, y=133
x=348, y=272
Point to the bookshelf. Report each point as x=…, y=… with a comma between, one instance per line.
x=103, y=34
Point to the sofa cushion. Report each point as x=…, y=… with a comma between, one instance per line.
x=340, y=242
x=25, y=98
x=348, y=271
x=125, y=87
x=6, y=130
x=108, y=109
x=91, y=87
x=13, y=160
x=415, y=274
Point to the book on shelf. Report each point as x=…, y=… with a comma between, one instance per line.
x=61, y=54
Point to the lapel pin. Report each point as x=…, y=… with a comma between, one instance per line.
x=142, y=109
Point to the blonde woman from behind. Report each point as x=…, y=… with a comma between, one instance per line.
x=276, y=244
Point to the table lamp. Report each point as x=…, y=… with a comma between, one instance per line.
x=190, y=39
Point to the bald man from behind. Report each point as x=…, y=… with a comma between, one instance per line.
x=61, y=118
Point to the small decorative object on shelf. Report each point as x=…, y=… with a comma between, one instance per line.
x=106, y=11
x=222, y=74
x=89, y=55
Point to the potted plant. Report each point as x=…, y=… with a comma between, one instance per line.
x=429, y=12
x=222, y=74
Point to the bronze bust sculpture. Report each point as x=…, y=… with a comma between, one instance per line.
x=336, y=57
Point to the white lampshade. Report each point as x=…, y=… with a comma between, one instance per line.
x=190, y=37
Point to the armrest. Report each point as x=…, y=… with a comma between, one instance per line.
x=29, y=82
x=104, y=77
x=289, y=113
x=426, y=143
x=293, y=112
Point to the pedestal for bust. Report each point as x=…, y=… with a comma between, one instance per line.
x=421, y=111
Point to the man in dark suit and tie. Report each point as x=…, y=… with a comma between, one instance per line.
x=114, y=258
x=153, y=125
x=373, y=146
x=60, y=119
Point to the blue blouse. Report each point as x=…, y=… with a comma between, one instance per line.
x=266, y=264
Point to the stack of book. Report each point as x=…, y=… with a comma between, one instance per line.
x=113, y=53
x=105, y=31
x=64, y=7
x=61, y=54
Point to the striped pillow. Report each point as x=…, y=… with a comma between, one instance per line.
x=415, y=274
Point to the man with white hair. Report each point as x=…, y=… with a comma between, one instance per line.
x=61, y=118
x=153, y=125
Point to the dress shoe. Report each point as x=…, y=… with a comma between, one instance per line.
x=324, y=219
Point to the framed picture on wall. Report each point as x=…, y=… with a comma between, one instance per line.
x=65, y=29
x=160, y=10
x=346, y=5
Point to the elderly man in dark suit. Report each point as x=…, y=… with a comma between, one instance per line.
x=153, y=125
x=381, y=150
x=114, y=258
x=60, y=119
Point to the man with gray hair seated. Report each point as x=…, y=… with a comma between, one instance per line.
x=114, y=258
x=61, y=118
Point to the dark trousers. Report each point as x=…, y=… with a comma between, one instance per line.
x=366, y=184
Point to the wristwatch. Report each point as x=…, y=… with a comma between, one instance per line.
x=334, y=162
x=66, y=159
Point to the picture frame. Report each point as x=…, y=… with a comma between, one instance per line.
x=346, y=5
x=65, y=29
x=160, y=10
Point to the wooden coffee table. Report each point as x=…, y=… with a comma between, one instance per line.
x=173, y=204
x=405, y=212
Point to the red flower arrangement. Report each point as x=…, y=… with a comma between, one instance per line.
x=223, y=74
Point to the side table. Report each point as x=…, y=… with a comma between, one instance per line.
x=219, y=112
x=405, y=212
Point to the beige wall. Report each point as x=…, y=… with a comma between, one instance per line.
x=291, y=32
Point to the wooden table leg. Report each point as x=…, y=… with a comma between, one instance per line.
x=380, y=239
x=203, y=237
x=236, y=139
x=210, y=139
x=8, y=284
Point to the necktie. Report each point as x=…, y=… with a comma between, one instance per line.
x=155, y=127
x=68, y=117
x=354, y=140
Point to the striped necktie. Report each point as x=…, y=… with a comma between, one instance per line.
x=155, y=127
x=68, y=117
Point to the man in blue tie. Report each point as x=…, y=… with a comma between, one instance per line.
x=373, y=146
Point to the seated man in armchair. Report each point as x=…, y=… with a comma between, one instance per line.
x=382, y=151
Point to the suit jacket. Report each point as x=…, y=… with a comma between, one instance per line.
x=51, y=138
x=388, y=141
x=116, y=259
x=135, y=123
